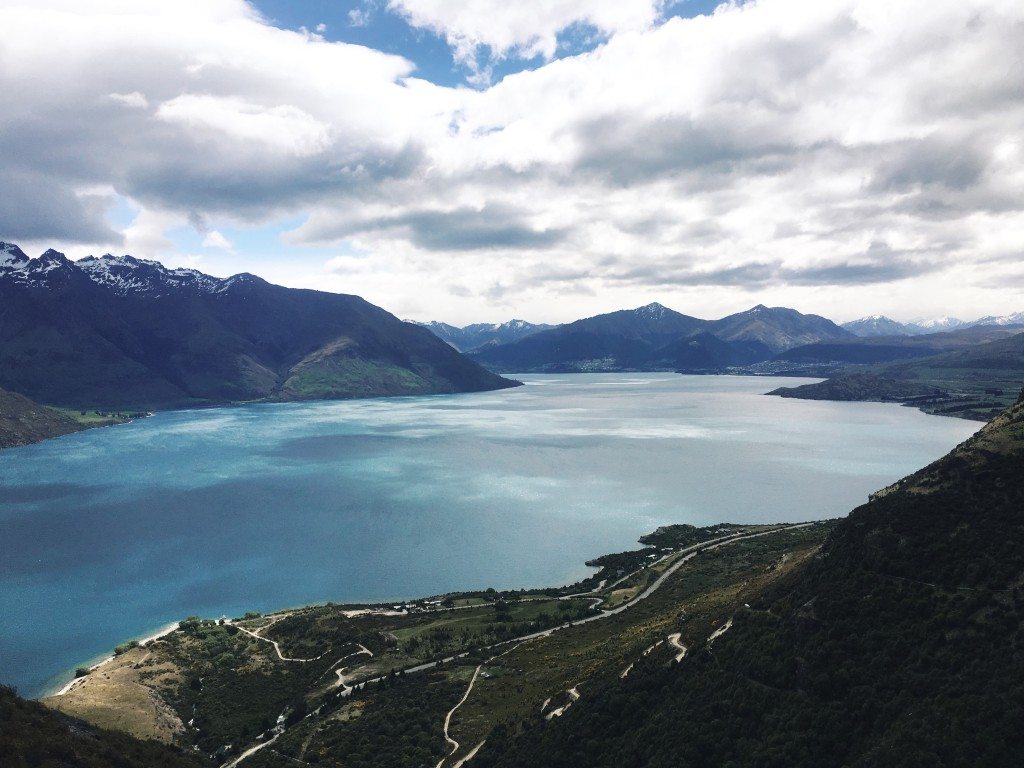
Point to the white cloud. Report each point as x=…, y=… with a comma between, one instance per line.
x=844, y=157
x=215, y=239
x=518, y=29
x=133, y=99
x=283, y=127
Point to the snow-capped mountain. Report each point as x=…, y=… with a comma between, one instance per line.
x=123, y=275
x=126, y=274
x=116, y=331
x=880, y=325
x=938, y=324
x=480, y=335
x=1017, y=318
x=11, y=257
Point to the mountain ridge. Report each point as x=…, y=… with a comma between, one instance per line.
x=119, y=331
x=654, y=337
x=475, y=336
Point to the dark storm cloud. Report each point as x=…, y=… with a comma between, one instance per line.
x=36, y=208
x=462, y=229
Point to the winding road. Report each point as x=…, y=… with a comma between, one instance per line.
x=688, y=553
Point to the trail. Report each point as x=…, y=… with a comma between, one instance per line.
x=274, y=643
x=465, y=696
x=719, y=632
x=688, y=552
x=340, y=671
x=675, y=640
x=470, y=755
x=574, y=696
x=252, y=751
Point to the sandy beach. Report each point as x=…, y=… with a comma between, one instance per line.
x=166, y=630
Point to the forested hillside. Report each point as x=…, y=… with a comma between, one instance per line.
x=899, y=644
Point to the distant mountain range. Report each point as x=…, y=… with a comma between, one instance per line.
x=654, y=337
x=880, y=325
x=761, y=339
x=479, y=335
x=116, y=331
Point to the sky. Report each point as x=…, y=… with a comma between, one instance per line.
x=477, y=160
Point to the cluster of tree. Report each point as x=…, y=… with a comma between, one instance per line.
x=394, y=723
x=230, y=699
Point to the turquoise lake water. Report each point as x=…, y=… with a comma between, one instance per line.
x=111, y=533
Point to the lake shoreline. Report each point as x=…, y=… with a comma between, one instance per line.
x=364, y=502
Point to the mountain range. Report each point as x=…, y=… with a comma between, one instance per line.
x=654, y=337
x=478, y=335
x=880, y=325
x=116, y=331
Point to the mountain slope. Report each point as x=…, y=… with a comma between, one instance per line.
x=900, y=644
x=879, y=349
x=971, y=381
x=23, y=421
x=614, y=341
x=119, y=331
x=778, y=328
x=32, y=735
x=479, y=335
x=657, y=338
x=880, y=325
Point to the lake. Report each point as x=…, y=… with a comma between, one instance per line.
x=111, y=533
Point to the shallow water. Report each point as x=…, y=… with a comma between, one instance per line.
x=110, y=533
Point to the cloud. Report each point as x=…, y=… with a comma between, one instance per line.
x=461, y=229
x=806, y=150
x=133, y=99
x=215, y=239
x=484, y=30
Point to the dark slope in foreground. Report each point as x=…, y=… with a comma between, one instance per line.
x=32, y=736
x=124, y=332
x=900, y=644
x=23, y=421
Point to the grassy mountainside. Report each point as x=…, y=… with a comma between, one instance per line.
x=900, y=644
x=33, y=736
x=975, y=382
